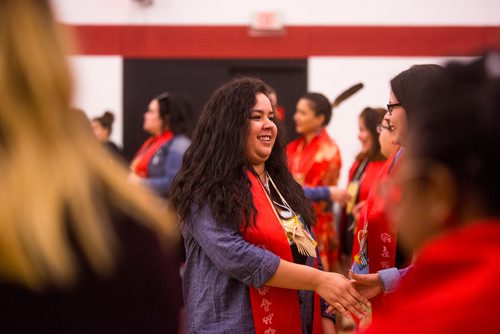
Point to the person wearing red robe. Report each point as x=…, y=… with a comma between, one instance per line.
x=314, y=160
x=362, y=174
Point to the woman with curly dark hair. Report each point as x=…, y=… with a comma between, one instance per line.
x=246, y=225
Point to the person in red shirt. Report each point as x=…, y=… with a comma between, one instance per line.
x=362, y=174
x=314, y=160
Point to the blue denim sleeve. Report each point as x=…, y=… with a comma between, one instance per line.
x=230, y=253
x=317, y=194
x=391, y=278
x=171, y=166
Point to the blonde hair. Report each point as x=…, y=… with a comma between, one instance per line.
x=55, y=178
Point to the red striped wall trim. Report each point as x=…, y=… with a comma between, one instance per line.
x=296, y=42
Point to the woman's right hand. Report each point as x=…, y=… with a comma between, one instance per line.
x=334, y=288
x=340, y=293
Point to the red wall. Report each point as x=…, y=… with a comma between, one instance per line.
x=296, y=42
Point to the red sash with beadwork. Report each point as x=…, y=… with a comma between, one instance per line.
x=142, y=158
x=381, y=235
x=275, y=310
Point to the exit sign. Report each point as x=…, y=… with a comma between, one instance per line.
x=266, y=23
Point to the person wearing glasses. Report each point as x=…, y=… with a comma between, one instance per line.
x=376, y=250
x=362, y=174
x=448, y=211
x=169, y=122
x=385, y=137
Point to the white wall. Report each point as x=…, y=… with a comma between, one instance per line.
x=98, y=87
x=99, y=83
x=295, y=12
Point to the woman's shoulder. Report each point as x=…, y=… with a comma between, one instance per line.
x=179, y=142
x=328, y=149
x=294, y=143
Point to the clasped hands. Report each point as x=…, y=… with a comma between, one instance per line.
x=350, y=296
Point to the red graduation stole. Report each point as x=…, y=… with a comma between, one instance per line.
x=381, y=236
x=453, y=284
x=275, y=310
x=142, y=158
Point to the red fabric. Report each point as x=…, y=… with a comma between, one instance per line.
x=453, y=287
x=368, y=178
x=144, y=155
x=275, y=310
x=280, y=113
x=374, y=211
x=318, y=164
x=381, y=235
x=370, y=174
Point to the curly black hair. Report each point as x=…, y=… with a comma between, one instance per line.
x=214, y=170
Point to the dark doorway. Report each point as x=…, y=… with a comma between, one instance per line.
x=146, y=78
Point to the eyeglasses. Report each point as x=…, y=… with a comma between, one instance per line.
x=391, y=106
x=381, y=126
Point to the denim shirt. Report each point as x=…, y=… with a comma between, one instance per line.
x=220, y=265
x=165, y=164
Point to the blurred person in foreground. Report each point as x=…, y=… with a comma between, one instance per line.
x=81, y=250
x=252, y=265
x=448, y=209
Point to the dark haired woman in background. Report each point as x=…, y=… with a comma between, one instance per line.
x=103, y=127
x=314, y=160
x=362, y=174
x=169, y=120
x=251, y=260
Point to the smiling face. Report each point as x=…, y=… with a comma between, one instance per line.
x=306, y=120
x=397, y=117
x=261, y=133
x=364, y=136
